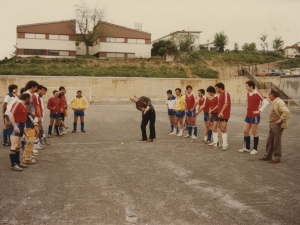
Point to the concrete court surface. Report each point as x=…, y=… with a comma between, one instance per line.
x=90, y=178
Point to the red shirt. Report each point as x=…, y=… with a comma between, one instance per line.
x=190, y=101
x=63, y=103
x=213, y=103
x=37, y=104
x=54, y=105
x=253, y=103
x=224, y=98
x=206, y=102
x=19, y=111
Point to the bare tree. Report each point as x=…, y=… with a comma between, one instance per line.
x=264, y=43
x=87, y=22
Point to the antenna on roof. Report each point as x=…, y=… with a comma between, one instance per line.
x=138, y=26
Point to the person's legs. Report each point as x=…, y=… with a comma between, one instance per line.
x=82, y=123
x=50, y=126
x=56, y=125
x=223, y=128
x=194, y=132
x=277, y=132
x=175, y=127
x=152, y=125
x=144, y=123
x=75, y=122
x=189, y=126
x=246, y=129
x=269, y=145
x=5, y=132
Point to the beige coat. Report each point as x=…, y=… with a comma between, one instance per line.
x=282, y=111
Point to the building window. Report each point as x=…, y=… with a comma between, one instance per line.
x=120, y=55
x=35, y=36
x=130, y=55
x=63, y=53
x=120, y=40
x=58, y=37
x=53, y=53
x=110, y=55
x=110, y=39
x=34, y=52
x=136, y=41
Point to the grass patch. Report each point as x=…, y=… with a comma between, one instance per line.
x=203, y=71
x=291, y=63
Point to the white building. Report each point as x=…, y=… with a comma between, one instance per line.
x=292, y=51
x=54, y=39
x=118, y=42
x=58, y=39
x=195, y=34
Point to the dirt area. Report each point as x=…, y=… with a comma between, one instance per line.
x=91, y=178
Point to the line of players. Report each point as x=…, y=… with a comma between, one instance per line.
x=183, y=110
x=25, y=112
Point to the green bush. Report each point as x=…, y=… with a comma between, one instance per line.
x=203, y=71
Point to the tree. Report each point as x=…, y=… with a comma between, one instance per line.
x=87, y=22
x=220, y=41
x=264, y=44
x=278, y=44
x=236, y=47
x=249, y=47
x=163, y=47
x=182, y=40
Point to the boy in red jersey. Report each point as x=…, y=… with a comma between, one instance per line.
x=224, y=107
x=204, y=105
x=37, y=103
x=190, y=104
x=253, y=116
x=64, y=106
x=17, y=118
x=213, y=112
x=54, y=106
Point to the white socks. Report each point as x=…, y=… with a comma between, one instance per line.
x=215, y=137
x=224, y=139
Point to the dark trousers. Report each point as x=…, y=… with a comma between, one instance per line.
x=274, y=142
x=150, y=115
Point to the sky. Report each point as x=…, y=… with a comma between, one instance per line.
x=241, y=20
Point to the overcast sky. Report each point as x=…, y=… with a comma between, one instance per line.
x=242, y=20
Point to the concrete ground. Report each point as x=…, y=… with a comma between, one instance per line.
x=90, y=178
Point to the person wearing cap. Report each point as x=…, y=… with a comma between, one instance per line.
x=78, y=104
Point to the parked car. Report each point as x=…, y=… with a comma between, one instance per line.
x=262, y=73
x=274, y=72
x=285, y=72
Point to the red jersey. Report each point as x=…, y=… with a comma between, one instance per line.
x=54, y=105
x=19, y=111
x=63, y=103
x=253, y=103
x=190, y=101
x=206, y=102
x=224, y=98
x=37, y=104
x=213, y=103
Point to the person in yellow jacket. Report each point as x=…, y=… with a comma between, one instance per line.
x=79, y=105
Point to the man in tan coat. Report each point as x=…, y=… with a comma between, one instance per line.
x=279, y=113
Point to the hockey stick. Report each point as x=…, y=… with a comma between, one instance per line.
x=44, y=136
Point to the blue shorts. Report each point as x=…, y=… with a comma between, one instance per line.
x=171, y=112
x=191, y=113
x=12, y=132
x=180, y=114
x=78, y=112
x=29, y=124
x=206, y=117
x=252, y=120
x=7, y=118
x=54, y=115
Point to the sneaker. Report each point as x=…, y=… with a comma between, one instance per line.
x=64, y=133
x=207, y=142
x=194, y=137
x=5, y=144
x=73, y=131
x=16, y=168
x=211, y=144
x=49, y=135
x=83, y=131
x=253, y=152
x=22, y=165
x=37, y=147
x=35, y=152
x=186, y=136
x=215, y=146
x=224, y=148
x=244, y=150
x=172, y=133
